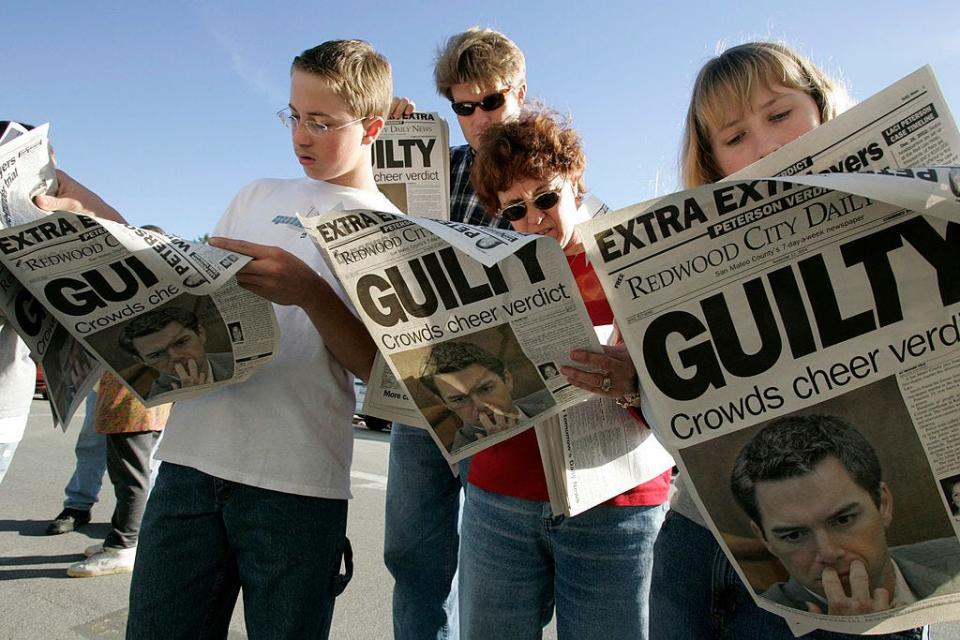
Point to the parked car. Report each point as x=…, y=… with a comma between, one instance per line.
x=41, y=388
x=370, y=422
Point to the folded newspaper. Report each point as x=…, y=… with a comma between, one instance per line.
x=434, y=293
x=796, y=330
x=164, y=314
x=473, y=324
x=411, y=164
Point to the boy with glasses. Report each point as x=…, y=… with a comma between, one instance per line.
x=253, y=489
x=483, y=74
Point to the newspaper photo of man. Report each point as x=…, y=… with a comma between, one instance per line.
x=951, y=492
x=236, y=331
x=478, y=387
x=171, y=341
x=548, y=370
x=814, y=491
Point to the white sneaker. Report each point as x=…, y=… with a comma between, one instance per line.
x=93, y=550
x=107, y=562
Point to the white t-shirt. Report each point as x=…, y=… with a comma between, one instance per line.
x=288, y=426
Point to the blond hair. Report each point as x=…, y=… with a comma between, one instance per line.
x=728, y=80
x=356, y=73
x=480, y=56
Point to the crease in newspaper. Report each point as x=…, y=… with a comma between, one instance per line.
x=422, y=294
x=164, y=314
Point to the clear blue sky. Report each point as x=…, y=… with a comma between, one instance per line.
x=167, y=108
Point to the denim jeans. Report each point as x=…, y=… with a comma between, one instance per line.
x=518, y=560
x=7, y=449
x=420, y=536
x=697, y=595
x=203, y=538
x=83, y=489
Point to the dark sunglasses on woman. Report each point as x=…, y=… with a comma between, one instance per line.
x=491, y=102
x=517, y=211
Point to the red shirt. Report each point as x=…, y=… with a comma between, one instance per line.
x=514, y=468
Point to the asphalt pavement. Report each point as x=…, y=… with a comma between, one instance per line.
x=39, y=601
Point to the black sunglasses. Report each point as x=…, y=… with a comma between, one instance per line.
x=491, y=102
x=517, y=210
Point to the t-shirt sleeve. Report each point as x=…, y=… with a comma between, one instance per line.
x=226, y=226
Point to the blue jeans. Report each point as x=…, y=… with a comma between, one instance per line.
x=203, y=538
x=7, y=449
x=83, y=489
x=697, y=595
x=421, y=540
x=517, y=560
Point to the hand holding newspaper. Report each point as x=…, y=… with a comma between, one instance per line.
x=476, y=323
x=411, y=164
x=464, y=317
x=797, y=342
x=26, y=170
x=165, y=314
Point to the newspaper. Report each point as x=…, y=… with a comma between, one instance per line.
x=26, y=170
x=756, y=308
x=590, y=452
x=13, y=130
x=164, y=314
x=422, y=283
x=388, y=399
x=432, y=291
x=595, y=451
x=69, y=369
x=411, y=164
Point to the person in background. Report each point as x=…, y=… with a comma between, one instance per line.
x=483, y=75
x=747, y=102
x=518, y=560
x=83, y=489
x=253, y=488
x=132, y=432
x=18, y=376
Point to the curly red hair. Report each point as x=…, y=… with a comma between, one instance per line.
x=538, y=145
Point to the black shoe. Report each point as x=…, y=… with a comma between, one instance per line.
x=68, y=520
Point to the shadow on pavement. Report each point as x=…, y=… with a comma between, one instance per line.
x=38, y=528
x=114, y=624
x=59, y=571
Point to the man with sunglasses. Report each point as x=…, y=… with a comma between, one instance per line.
x=483, y=74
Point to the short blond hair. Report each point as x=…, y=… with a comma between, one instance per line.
x=480, y=56
x=357, y=74
x=728, y=80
